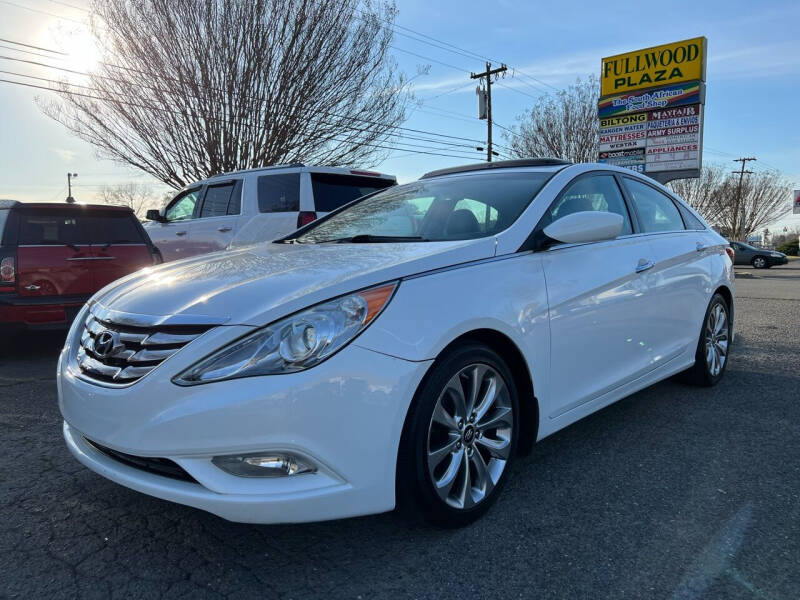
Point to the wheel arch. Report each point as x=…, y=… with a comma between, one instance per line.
x=727, y=294
x=523, y=381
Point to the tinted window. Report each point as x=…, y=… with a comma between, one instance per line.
x=657, y=211
x=217, y=199
x=109, y=227
x=332, y=191
x=182, y=207
x=454, y=208
x=691, y=221
x=279, y=193
x=45, y=227
x=598, y=193
x=3, y=218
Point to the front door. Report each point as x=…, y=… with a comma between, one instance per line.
x=173, y=236
x=598, y=301
x=218, y=217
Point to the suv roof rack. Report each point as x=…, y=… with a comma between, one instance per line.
x=286, y=166
x=502, y=164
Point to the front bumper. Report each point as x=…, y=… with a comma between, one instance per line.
x=345, y=415
x=775, y=261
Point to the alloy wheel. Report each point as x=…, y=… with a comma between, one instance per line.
x=759, y=262
x=716, y=336
x=469, y=436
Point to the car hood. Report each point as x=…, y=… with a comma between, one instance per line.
x=256, y=284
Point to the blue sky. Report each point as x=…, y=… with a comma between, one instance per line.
x=753, y=79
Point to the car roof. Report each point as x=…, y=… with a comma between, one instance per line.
x=63, y=205
x=500, y=164
x=300, y=167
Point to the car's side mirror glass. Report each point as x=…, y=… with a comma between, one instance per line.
x=584, y=227
x=154, y=215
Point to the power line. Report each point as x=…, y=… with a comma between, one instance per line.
x=332, y=138
x=42, y=12
x=74, y=71
x=32, y=46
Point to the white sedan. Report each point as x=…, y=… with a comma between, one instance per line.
x=402, y=350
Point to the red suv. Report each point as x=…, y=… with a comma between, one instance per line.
x=53, y=257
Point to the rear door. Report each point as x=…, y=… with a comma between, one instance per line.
x=681, y=274
x=173, y=237
x=53, y=259
x=118, y=244
x=217, y=217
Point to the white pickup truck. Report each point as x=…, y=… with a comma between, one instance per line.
x=255, y=205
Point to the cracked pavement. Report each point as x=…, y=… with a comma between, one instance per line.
x=675, y=492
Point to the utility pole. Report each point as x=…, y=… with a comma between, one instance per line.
x=742, y=173
x=488, y=75
x=70, y=199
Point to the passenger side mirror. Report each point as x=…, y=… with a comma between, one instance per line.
x=584, y=227
x=154, y=215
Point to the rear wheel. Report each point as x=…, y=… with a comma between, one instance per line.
x=711, y=357
x=460, y=438
x=759, y=262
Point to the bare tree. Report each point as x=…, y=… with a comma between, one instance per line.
x=706, y=193
x=138, y=196
x=563, y=125
x=765, y=198
x=190, y=88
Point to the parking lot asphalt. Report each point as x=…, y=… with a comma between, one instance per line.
x=674, y=492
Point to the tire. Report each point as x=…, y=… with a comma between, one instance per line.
x=451, y=469
x=759, y=262
x=705, y=372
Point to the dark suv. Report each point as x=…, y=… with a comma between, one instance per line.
x=53, y=257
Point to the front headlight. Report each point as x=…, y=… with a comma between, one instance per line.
x=294, y=343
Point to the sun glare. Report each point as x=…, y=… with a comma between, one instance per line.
x=83, y=54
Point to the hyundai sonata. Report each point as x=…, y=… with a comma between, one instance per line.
x=401, y=350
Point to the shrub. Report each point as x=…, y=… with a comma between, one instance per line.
x=789, y=248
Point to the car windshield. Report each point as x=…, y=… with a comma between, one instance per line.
x=454, y=208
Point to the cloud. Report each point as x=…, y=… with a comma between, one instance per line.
x=65, y=155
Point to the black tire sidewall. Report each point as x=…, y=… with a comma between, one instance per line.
x=700, y=358
x=755, y=260
x=415, y=487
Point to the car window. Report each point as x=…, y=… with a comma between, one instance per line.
x=279, y=193
x=332, y=191
x=217, y=199
x=110, y=227
x=452, y=208
x=182, y=207
x=3, y=218
x=598, y=193
x=691, y=221
x=49, y=227
x=485, y=214
x=657, y=212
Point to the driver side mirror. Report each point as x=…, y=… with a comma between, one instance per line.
x=155, y=215
x=584, y=227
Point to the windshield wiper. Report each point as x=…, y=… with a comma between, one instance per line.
x=368, y=238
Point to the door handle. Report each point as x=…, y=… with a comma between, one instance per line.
x=224, y=229
x=644, y=265
x=180, y=233
x=33, y=287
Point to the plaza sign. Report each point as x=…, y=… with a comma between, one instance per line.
x=652, y=67
x=651, y=110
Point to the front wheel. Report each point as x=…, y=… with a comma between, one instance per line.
x=460, y=438
x=711, y=357
x=759, y=262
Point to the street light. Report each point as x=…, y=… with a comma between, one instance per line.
x=70, y=199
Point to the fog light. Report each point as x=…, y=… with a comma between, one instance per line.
x=264, y=465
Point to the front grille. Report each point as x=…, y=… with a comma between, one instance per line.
x=120, y=353
x=159, y=466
